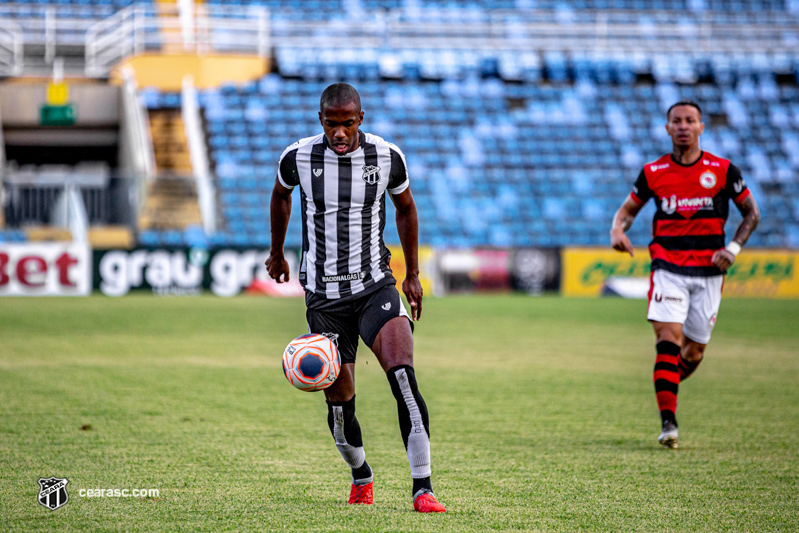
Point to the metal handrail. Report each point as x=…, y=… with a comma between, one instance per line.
x=602, y=33
x=206, y=193
x=11, y=48
x=252, y=30
x=195, y=30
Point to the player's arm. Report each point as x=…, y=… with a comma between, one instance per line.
x=280, y=212
x=725, y=257
x=408, y=229
x=622, y=221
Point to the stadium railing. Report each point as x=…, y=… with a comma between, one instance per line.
x=10, y=48
x=201, y=30
x=195, y=136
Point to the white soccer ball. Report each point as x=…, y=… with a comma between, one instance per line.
x=311, y=362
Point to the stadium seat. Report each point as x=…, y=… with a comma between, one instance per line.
x=563, y=151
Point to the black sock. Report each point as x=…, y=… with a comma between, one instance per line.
x=422, y=484
x=364, y=472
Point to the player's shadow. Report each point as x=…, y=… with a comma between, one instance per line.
x=646, y=446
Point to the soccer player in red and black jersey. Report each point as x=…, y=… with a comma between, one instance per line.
x=691, y=190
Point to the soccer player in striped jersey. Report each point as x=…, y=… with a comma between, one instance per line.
x=343, y=175
x=691, y=190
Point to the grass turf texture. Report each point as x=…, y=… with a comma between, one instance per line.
x=543, y=417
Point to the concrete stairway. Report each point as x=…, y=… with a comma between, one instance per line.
x=171, y=200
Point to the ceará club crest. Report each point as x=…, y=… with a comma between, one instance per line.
x=371, y=174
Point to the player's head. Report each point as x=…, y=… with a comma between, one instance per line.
x=684, y=123
x=340, y=115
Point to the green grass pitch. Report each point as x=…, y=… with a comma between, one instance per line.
x=543, y=418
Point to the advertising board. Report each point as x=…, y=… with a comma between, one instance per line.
x=182, y=271
x=45, y=269
x=755, y=274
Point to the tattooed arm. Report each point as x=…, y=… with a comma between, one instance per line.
x=622, y=221
x=748, y=207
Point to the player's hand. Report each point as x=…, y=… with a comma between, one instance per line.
x=277, y=267
x=412, y=288
x=620, y=242
x=723, y=259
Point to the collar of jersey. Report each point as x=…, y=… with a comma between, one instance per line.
x=701, y=155
x=357, y=151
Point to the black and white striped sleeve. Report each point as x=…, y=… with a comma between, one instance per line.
x=398, y=177
x=287, y=169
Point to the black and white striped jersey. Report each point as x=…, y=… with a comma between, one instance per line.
x=343, y=208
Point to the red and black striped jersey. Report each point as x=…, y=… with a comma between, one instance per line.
x=692, y=206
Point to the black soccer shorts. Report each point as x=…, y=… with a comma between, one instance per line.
x=363, y=317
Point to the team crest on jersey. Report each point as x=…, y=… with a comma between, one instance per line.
x=371, y=174
x=317, y=172
x=707, y=179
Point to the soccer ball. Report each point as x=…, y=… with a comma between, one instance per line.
x=311, y=362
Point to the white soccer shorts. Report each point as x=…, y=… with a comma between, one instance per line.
x=692, y=301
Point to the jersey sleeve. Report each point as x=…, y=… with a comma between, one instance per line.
x=398, y=178
x=641, y=192
x=736, y=186
x=287, y=170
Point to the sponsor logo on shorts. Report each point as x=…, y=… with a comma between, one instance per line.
x=332, y=336
x=386, y=306
x=712, y=321
x=660, y=297
x=344, y=277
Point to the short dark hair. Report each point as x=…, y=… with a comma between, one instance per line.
x=685, y=102
x=339, y=94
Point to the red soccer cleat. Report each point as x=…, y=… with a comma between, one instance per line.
x=427, y=503
x=362, y=494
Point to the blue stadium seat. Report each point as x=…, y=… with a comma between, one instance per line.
x=567, y=151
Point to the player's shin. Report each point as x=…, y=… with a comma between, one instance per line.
x=347, y=433
x=414, y=424
x=667, y=379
